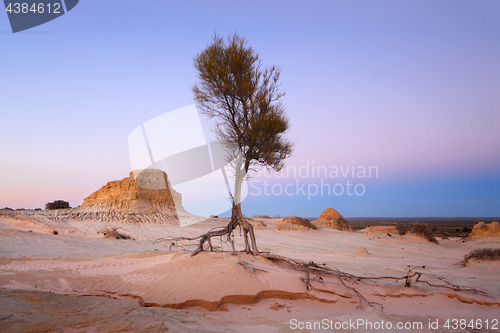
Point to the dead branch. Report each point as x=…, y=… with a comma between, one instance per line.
x=249, y=265
x=308, y=283
x=347, y=280
x=175, y=239
x=455, y=288
x=360, y=296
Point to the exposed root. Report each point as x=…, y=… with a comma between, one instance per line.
x=360, y=296
x=7, y=317
x=347, y=280
x=249, y=265
x=205, y=240
x=321, y=271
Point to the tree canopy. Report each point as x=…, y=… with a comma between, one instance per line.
x=245, y=101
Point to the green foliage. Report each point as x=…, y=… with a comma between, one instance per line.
x=58, y=204
x=245, y=101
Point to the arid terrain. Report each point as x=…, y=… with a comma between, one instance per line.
x=63, y=274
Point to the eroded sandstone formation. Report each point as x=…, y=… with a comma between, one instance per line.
x=146, y=196
x=482, y=230
x=143, y=191
x=332, y=219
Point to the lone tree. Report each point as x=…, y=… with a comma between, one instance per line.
x=244, y=100
x=246, y=104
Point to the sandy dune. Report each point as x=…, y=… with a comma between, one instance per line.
x=139, y=285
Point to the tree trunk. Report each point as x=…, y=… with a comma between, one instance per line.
x=237, y=215
x=237, y=219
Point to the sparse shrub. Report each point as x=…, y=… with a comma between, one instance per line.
x=58, y=204
x=300, y=221
x=8, y=208
x=290, y=227
x=484, y=254
x=466, y=230
x=113, y=233
x=421, y=230
x=261, y=217
x=213, y=216
x=259, y=225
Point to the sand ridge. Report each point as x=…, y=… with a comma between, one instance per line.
x=146, y=274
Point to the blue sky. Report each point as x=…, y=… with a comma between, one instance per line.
x=410, y=87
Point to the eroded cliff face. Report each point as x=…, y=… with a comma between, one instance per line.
x=146, y=196
x=482, y=230
x=143, y=191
